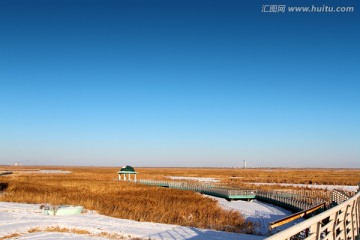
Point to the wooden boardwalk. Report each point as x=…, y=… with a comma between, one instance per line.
x=293, y=200
x=229, y=194
x=344, y=216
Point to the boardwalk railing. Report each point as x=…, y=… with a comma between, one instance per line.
x=295, y=200
x=338, y=196
x=339, y=222
x=204, y=188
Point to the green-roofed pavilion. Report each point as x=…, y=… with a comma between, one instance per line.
x=127, y=170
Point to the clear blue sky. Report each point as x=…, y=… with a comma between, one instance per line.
x=178, y=83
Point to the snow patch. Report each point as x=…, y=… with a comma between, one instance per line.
x=199, y=179
x=54, y=171
x=259, y=213
x=18, y=218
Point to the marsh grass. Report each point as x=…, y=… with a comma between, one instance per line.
x=70, y=230
x=97, y=189
x=242, y=176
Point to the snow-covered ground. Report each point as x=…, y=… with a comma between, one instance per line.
x=56, y=236
x=325, y=187
x=53, y=171
x=28, y=222
x=199, y=179
x=260, y=213
x=47, y=171
x=39, y=171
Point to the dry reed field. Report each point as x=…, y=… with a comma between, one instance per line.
x=97, y=188
x=242, y=178
x=298, y=176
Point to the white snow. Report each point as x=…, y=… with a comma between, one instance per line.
x=56, y=236
x=17, y=218
x=260, y=213
x=54, y=171
x=46, y=171
x=326, y=187
x=200, y=179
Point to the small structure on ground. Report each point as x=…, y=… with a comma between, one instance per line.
x=61, y=210
x=129, y=171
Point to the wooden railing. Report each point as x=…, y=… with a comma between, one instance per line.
x=338, y=196
x=203, y=188
x=339, y=222
x=296, y=200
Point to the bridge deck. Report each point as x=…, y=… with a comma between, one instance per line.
x=294, y=201
x=229, y=194
x=302, y=202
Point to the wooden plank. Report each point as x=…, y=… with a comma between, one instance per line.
x=295, y=216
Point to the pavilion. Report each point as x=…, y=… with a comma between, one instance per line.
x=127, y=170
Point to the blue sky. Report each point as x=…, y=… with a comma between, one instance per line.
x=178, y=83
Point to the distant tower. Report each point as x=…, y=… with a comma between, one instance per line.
x=244, y=164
